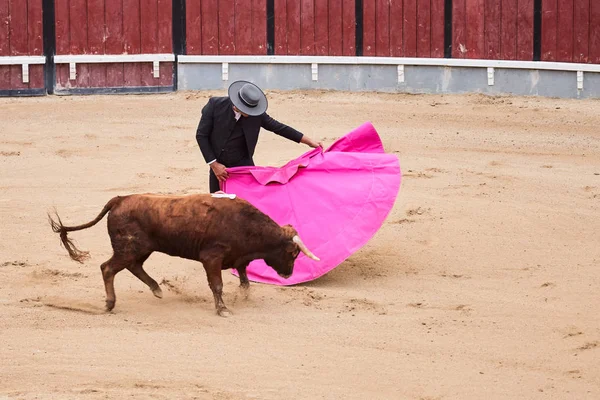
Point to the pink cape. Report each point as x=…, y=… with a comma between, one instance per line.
x=336, y=199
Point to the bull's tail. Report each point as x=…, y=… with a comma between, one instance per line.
x=58, y=227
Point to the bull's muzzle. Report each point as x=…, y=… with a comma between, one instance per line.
x=296, y=239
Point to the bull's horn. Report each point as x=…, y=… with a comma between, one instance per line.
x=296, y=239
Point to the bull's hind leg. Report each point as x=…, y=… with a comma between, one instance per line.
x=109, y=269
x=137, y=269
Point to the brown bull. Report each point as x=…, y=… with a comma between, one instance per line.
x=221, y=233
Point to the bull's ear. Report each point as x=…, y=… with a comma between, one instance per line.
x=289, y=231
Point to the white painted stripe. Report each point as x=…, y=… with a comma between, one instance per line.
x=111, y=58
x=437, y=62
x=19, y=60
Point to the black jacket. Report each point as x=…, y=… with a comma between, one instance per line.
x=217, y=123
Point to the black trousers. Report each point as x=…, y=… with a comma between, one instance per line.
x=214, y=182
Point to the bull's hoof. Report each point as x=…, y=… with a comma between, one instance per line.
x=223, y=312
x=110, y=304
x=158, y=292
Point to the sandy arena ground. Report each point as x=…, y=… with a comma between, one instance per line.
x=482, y=284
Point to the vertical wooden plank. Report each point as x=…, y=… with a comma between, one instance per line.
x=165, y=40
x=382, y=28
x=437, y=28
x=227, y=11
x=35, y=28
x=210, y=27
x=281, y=28
x=63, y=45
x=321, y=28
x=582, y=31
x=424, y=28
x=594, y=32
x=4, y=43
x=335, y=28
x=508, y=38
x=348, y=28
x=259, y=27
x=193, y=27
x=565, y=32
x=396, y=29
x=149, y=39
x=18, y=40
x=243, y=26
x=475, y=20
x=492, y=29
x=35, y=42
x=114, y=41
x=410, y=28
x=4, y=28
x=96, y=41
x=525, y=30
x=459, y=29
x=549, y=29
x=132, y=41
x=293, y=27
x=307, y=27
x=79, y=38
x=369, y=28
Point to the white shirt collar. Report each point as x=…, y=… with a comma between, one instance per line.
x=237, y=115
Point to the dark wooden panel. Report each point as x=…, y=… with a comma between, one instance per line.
x=281, y=27
x=165, y=26
x=493, y=16
x=410, y=28
x=36, y=76
x=321, y=28
x=549, y=29
x=475, y=28
x=424, y=28
x=396, y=29
x=525, y=31
x=581, y=48
x=132, y=40
x=437, y=28
x=594, y=32
x=210, y=27
x=4, y=35
x=149, y=39
x=61, y=11
x=193, y=27
x=166, y=74
x=369, y=28
x=243, y=27
x=226, y=28
x=565, y=31
x=349, y=28
x=508, y=40
x=114, y=41
x=35, y=28
x=259, y=27
x=293, y=27
x=79, y=38
x=307, y=27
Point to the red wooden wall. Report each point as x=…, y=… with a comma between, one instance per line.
x=493, y=29
x=21, y=35
x=403, y=28
x=315, y=27
x=215, y=27
x=571, y=30
x=114, y=27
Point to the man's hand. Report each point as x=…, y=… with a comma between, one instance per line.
x=220, y=171
x=308, y=141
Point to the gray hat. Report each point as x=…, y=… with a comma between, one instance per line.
x=248, y=98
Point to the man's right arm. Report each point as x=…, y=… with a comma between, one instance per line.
x=205, y=127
